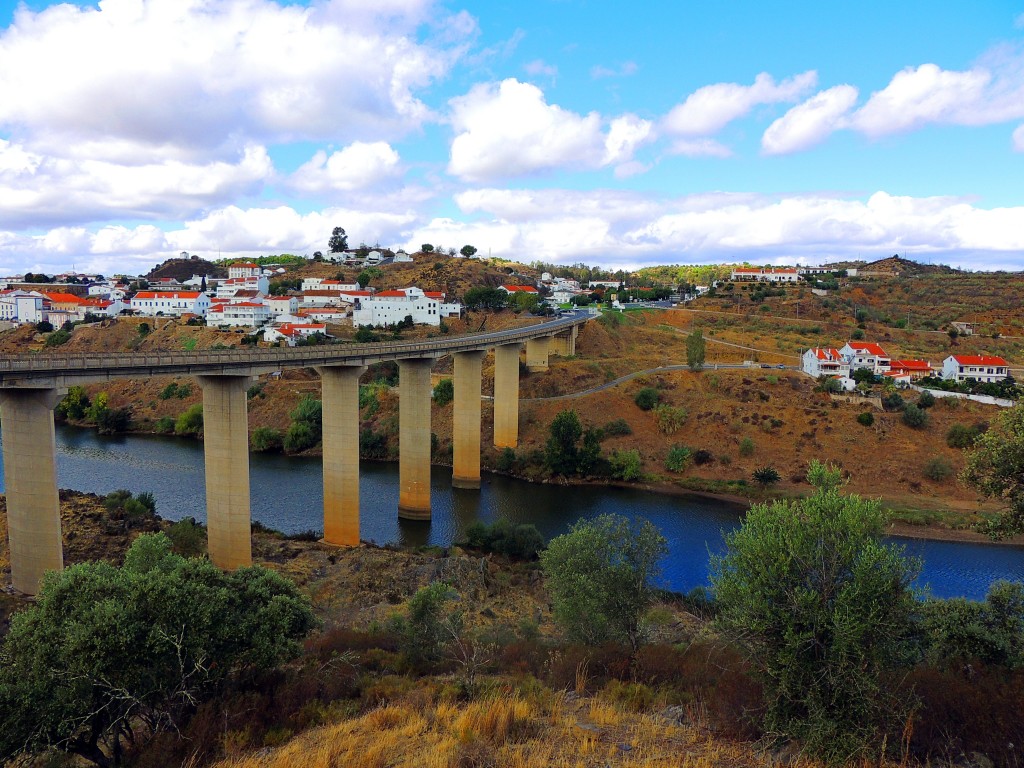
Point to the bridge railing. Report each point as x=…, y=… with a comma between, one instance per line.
x=55, y=361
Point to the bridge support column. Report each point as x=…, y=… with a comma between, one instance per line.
x=466, y=420
x=564, y=344
x=506, y=395
x=537, y=354
x=340, y=386
x=414, y=438
x=226, y=444
x=30, y=477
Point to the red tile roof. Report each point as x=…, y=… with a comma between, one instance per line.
x=167, y=295
x=63, y=298
x=517, y=288
x=910, y=365
x=979, y=360
x=828, y=353
x=869, y=347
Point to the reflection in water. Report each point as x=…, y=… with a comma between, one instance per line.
x=287, y=494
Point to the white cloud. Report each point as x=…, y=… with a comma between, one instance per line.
x=540, y=67
x=1018, y=139
x=809, y=123
x=203, y=74
x=709, y=109
x=625, y=70
x=357, y=166
x=699, y=148
x=509, y=129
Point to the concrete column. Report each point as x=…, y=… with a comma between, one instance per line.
x=340, y=386
x=506, y=395
x=30, y=477
x=537, y=354
x=414, y=439
x=466, y=420
x=226, y=444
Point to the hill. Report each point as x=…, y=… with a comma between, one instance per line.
x=183, y=269
x=896, y=266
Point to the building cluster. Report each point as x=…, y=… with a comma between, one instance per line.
x=855, y=355
x=781, y=274
x=242, y=300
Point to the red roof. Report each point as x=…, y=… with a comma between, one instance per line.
x=910, y=365
x=828, y=353
x=517, y=288
x=979, y=360
x=167, y=295
x=869, y=347
x=354, y=293
x=392, y=294
x=248, y=264
x=290, y=329
x=63, y=298
x=433, y=294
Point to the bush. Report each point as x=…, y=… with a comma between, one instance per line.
x=102, y=657
x=57, y=338
x=444, y=392
x=867, y=418
x=677, y=459
x=372, y=445
x=523, y=541
x=746, y=447
x=766, y=476
x=702, y=456
x=299, y=437
x=915, y=417
x=821, y=608
x=926, y=400
x=647, y=398
x=938, y=469
x=265, y=439
x=600, y=576
x=617, y=428
x=959, y=631
x=188, y=537
x=961, y=436
x=506, y=460
x=75, y=403
x=670, y=418
x=113, y=421
x=164, y=426
x=892, y=402
x=423, y=630
x=626, y=465
x=190, y=422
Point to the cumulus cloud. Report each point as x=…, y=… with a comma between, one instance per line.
x=709, y=109
x=194, y=76
x=809, y=123
x=357, y=166
x=699, y=148
x=509, y=129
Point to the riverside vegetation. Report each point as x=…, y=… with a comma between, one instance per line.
x=809, y=646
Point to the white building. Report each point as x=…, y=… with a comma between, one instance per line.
x=238, y=314
x=825, y=362
x=174, y=303
x=282, y=305
x=22, y=306
x=983, y=368
x=769, y=275
x=390, y=307
x=336, y=315
x=244, y=269
x=402, y=257
x=864, y=354
x=290, y=333
x=228, y=288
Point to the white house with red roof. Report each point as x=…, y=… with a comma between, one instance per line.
x=769, y=275
x=290, y=333
x=327, y=284
x=282, y=305
x=866, y=354
x=518, y=289
x=390, y=307
x=983, y=368
x=244, y=269
x=173, y=303
x=227, y=289
x=238, y=314
x=826, y=361
x=915, y=369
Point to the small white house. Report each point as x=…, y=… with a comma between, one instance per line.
x=174, y=303
x=983, y=368
x=826, y=361
x=282, y=305
x=244, y=269
x=22, y=306
x=770, y=275
x=238, y=314
x=865, y=354
x=390, y=307
x=290, y=333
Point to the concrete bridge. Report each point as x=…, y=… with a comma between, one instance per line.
x=32, y=385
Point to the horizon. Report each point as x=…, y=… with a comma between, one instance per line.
x=779, y=133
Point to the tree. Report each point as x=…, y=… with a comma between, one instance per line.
x=427, y=248
x=601, y=577
x=561, y=454
x=338, y=241
x=368, y=274
x=109, y=655
x=915, y=417
x=483, y=297
x=444, y=392
x=995, y=467
x=695, y=349
x=468, y=251
x=765, y=476
x=647, y=398
x=820, y=607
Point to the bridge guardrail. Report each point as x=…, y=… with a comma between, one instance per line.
x=92, y=361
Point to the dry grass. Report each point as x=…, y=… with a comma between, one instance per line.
x=507, y=729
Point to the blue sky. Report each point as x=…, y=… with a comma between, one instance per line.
x=562, y=130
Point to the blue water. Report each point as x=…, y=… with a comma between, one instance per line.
x=287, y=494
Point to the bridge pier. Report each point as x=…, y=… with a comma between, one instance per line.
x=466, y=420
x=564, y=344
x=30, y=477
x=226, y=448
x=340, y=393
x=414, y=438
x=537, y=354
x=506, y=395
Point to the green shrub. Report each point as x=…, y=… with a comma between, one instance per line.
x=617, y=428
x=703, y=456
x=938, y=469
x=892, y=402
x=266, y=439
x=190, y=422
x=926, y=400
x=626, y=465
x=300, y=437
x=506, y=460
x=523, y=541
x=188, y=537
x=670, y=418
x=959, y=631
x=961, y=436
x=915, y=417
x=57, y=338
x=746, y=447
x=372, y=445
x=647, y=398
x=766, y=476
x=164, y=426
x=444, y=392
x=171, y=390
x=113, y=421
x=677, y=459
x=866, y=418
x=256, y=390
x=75, y=403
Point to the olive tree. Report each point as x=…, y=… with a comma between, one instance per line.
x=695, y=350
x=601, y=576
x=110, y=655
x=995, y=467
x=820, y=607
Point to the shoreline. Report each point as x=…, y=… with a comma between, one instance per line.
x=896, y=529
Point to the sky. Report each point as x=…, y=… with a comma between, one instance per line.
x=616, y=134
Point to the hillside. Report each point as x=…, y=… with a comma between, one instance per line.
x=184, y=269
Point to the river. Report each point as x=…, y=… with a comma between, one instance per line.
x=287, y=494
